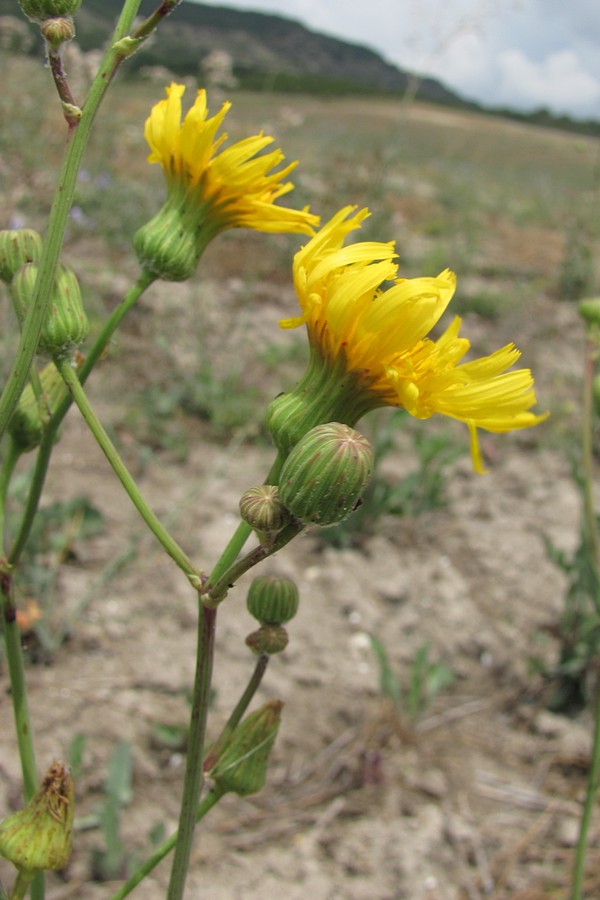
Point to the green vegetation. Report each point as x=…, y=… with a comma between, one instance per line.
x=426, y=679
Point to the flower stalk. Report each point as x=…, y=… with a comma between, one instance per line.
x=120, y=469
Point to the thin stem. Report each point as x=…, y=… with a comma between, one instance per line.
x=194, y=775
x=16, y=671
x=45, y=449
x=591, y=528
x=120, y=469
x=71, y=110
x=152, y=22
x=215, y=592
x=590, y=801
x=243, y=531
x=159, y=854
x=236, y=716
x=9, y=462
x=63, y=198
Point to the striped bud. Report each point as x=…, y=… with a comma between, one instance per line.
x=18, y=247
x=58, y=31
x=66, y=324
x=272, y=600
x=325, y=474
x=261, y=507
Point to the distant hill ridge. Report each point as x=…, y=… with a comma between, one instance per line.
x=265, y=49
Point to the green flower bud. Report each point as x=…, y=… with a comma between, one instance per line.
x=170, y=244
x=39, y=10
x=589, y=310
x=272, y=600
x=242, y=766
x=262, y=508
x=269, y=639
x=66, y=323
x=16, y=249
x=39, y=836
x=29, y=420
x=326, y=473
x=58, y=31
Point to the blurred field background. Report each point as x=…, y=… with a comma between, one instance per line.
x=482, y=809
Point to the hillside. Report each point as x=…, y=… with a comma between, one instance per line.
x=265, y=49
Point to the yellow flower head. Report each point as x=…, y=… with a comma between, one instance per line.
x=238, y=183
x=375, y=340
x=210, y=189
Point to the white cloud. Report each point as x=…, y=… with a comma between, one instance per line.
x=558, y=82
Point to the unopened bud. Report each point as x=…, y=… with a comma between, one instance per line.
x=39, y=10
x=242, y=766
x=272, y=600
x=167, y=246
x=589, y=310
x=18, y=247
x=39, y=836
x=58, y=31
x=32, y=413
x=262, y=508
x=66, y=324
x=269, y=639
x=326, y=473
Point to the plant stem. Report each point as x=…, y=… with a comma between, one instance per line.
x=9, y=462
x=242, y=532
x=590, y=525
x=236, y=716
x=215, y=591
x=120, y=469
x=159, y=854
x=45, y=449
x=194, y=774
x=63, y=198
x=16, y=671
x=588, y=808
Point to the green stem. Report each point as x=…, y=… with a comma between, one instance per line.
x=119, y=468
x=588, y=809
x=194, y=774
x=63, y=198
x=243, y=531
x=154, y=20
x=16, y=672
x=591, y=528
x=193, y=777
x=159, y=854
x=215, y=592
x=45, y=449
x=236, y=716
x=21, y=885
x=9, y=462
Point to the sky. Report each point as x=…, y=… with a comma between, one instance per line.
x=524, y=54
